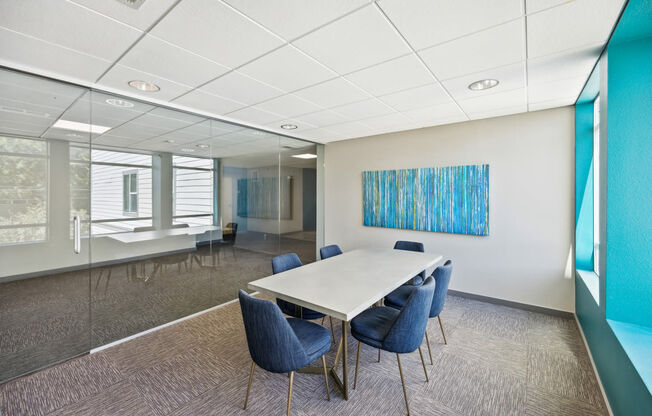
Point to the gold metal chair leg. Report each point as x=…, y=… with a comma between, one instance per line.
x=357, y=361
x=442, y=329
x=424, y=364
x=322, y=319
x=328, y=390
x=330, y=318
x=290, y=392
x=400, y=370
x=378, y=354
x=251, y=377
x=428, y=343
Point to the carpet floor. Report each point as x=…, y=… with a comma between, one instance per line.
x=498, y=361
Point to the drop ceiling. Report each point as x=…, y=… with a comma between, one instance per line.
x=338, y=69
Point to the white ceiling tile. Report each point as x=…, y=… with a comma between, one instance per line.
x=119, y=76
x=35, y=90
x=533, y=6
x=573, y=25
x=363, y=109
x=276, y=126
x=240, y=87
x=436, y=112
x=255, y=115
x=333, y=93
x=142, y=18
x=517, y=97
x=69, y=25
x=292, y=18
x=392, y=76
x=289, y=106
x=24, y=51
x=393, y=120
x=556, y=89
x=557, y=102
x=152, y=120
x=510, y=77
x=168, y=61
x=213, y=30
x=323, y=118
x=318, y=134
x=423, y=96
x=208, y=102
x=359, y=40
x=184, y=117
x=498, y=46
x=288, y=69
x=499, y=112
x=348, y=129
x=578, y=62
x=430, y=22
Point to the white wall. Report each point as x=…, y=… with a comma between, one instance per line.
x=531, y=158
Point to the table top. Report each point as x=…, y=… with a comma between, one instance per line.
x=343, y=286
x=133, y=237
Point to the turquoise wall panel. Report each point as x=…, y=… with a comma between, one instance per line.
x=584, y=186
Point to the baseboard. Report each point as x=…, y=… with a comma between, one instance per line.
x=511, y=304
x=595, y=369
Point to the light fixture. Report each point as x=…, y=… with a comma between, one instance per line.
x=116, y=102
x=305, y=156
x=83, y=127
x=483, y=84
x=73, y=135
x=187, y=150
x=144, y=86
x=202, y=146
x=170, y=141
x=288, y=126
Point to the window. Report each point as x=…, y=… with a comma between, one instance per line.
x=193, y=190
x=596, y=186
x=23, y=190
x=130, y=192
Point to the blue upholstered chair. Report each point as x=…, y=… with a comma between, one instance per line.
x=442, y=276
x=281, y=264
x=329, y=251
x=281, y=345
x=397, y=331
x=412, y=246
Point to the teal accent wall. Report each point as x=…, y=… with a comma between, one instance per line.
x=629, y=182
x=584, y=186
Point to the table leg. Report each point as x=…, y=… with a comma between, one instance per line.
x=343, y=384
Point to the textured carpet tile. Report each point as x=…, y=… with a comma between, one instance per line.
x=497, y=362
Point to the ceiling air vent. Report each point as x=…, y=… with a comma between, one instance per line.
x=134, y=4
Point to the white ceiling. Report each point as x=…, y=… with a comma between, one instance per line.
x=338, y=69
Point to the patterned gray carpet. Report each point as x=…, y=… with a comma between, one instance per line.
x=498, y=361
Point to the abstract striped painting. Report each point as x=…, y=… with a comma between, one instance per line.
x=452, y=199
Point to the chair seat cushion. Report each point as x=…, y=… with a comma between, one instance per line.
x=315, y=339
x=399, y=297
x=290, y=309
x=372, y=325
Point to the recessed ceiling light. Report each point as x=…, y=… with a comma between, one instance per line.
x=187, y=150
x=170, y=141
x=483, y=84
x=119, y=103
x=144, y=86
x=73, y=135
x=305, y=156
x=288, y=126
x=83, y=127
x=202, y=146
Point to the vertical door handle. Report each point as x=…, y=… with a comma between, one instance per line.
x=77, y=231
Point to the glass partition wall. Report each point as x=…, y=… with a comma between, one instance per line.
x=117, y=216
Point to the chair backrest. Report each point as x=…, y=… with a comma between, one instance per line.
x=230, y=236
x=280, y=264
x=442, y=276
x=412, y=246
x=329, y=251
x=285, y=262
x=273, y=345
x=407, y=331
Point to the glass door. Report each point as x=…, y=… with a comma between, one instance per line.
x=44, y=214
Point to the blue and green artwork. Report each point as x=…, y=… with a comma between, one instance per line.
x=451, y=199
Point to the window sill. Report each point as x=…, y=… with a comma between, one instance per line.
x=636, y=340
x=592, y=282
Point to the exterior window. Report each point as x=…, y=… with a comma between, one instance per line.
x=23, y=190
x=130, y=192
x=596, y=186
x=193, y=191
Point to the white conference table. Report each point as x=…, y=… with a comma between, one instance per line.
x=343, y=286
x=140, y=236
